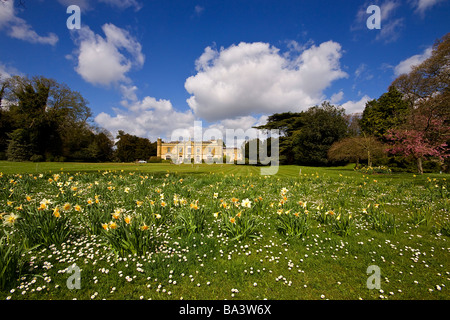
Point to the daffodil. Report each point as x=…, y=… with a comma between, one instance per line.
x=112, y=225
x=67, y=206
x=56, y=212
x=232, y=220
x=127, y=219
x=10, y=219
x=246, y=203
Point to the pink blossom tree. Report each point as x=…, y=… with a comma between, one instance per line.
x=421, y=140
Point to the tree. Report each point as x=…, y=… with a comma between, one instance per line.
x=322, y=126
x=132, y=148
x=411, y=142
x=427, y=85
x=18, y=146
x=53, y=117
x=287, y=123
x=386, y=112
x=356, y=148
x=426, y=130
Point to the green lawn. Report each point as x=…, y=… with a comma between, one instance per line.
x=397, y=222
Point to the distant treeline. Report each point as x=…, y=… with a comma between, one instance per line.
x=43, y=120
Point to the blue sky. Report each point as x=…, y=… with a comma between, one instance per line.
x=150, y=67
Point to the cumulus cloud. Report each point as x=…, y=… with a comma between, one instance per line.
x=106, y=60
x=406, y=65
x=18, y=28
x=149, y=117
x=356, y=106
x=255, y=78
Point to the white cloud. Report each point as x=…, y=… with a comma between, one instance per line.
x=424, y=5
x=148, y=118
x=7, y=71
x=406, y=65
x=356, y=106
x=18, y=28
x=107, y=60
x=254, y=78
x=390, y=30
x=124, y=4
x=390, y=27
x=336, y=97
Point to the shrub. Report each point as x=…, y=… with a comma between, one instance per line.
x=37, y=158
x=155, y=159
x=374, y=170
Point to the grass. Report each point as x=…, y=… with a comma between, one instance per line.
x=188, y=256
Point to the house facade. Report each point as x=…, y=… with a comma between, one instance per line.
x=207, y=151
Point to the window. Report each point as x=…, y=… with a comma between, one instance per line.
x=168, y=149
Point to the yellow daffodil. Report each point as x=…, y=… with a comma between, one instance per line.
x=56, y=212
x=112, y=225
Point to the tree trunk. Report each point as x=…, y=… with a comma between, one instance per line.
x=369, y=160
x=419, y=166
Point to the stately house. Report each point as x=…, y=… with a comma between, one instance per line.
x=186, y=151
